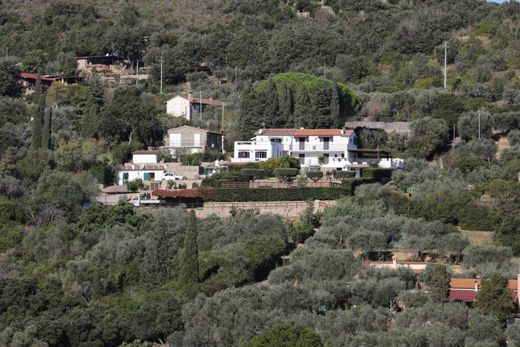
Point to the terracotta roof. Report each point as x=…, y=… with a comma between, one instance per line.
x=466, y=295
x=181, y=193
x=210, y=102
x=33, y=76
x=322, y=132
x=462, y=283
x=145, y=152
x=275, y=132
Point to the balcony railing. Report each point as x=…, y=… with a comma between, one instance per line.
x=319, y=147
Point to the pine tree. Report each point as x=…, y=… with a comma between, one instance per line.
x=303, y=109
x=440, y=283
x=39, y=114
x=46, y=135
x=272, y=116
x=189, y=267
x=286, y=104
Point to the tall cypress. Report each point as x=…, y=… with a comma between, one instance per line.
x=321, y=102
x=303, y=109
x=286, y=104
x=335, y=109
x=272, y=116
x=250, y=112
x=47, y=124
x=38, y=116
x=189, y=269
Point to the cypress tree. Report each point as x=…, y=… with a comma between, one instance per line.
x=440, y=283
x=189, y=269
x=321, y=102
x=250, y=114
x=47, y=124
x=303, y=109
x=272, y=116
x=335, y=109
x=286, y=104
x=38, y=116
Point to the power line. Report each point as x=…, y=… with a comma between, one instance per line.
x=445, y=64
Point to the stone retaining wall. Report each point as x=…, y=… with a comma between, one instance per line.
x=286, y=209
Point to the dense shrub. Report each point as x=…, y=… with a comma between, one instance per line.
x=278, y=194
x=196, y=158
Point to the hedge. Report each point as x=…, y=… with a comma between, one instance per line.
x=275, y=194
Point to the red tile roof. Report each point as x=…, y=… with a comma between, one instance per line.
x=181, y=193
x=322, y=132
x=33, y=76
x=464, y=289
x=466, y=295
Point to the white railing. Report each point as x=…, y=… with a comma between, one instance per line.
x=319, y=147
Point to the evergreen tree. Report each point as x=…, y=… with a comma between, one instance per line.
x=272, y=115
x=335, y=109
x=38, y=116
x=303, y=116
x=250, y=117
x=286, y=104
x=322, y=103
x=189, y=269
x=95, y=101
x=440, y=283
x=47, y=131
x=494, y=298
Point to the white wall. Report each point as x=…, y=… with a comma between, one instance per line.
x=144, y=158
x=179, y=107
x=135, y=174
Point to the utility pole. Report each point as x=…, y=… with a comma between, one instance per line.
x=160, y=92
x=137, y=76
x=479, y=124
x=445, y=64
x=200, y=104
x=236, y=77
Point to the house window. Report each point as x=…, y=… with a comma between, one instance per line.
x=125, y=176
x=276, y=140
x=146, y=176
x=243, y=155
x=260, y=155
x=301, y=158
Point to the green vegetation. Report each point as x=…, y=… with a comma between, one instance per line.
x=76, y=273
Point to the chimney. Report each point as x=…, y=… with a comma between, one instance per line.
x=394, y=262
x=517, y=284
x=476, y=285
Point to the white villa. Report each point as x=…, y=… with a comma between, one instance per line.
x=144, y=165
x=330, y=149
x=187, y=106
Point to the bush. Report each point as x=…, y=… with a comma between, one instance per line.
x=300, y=231
x=285, y=174
x=344, y=174
x=196, y=158
x=281, y=194
x=216, y=180
x=254, y=173
x=135, y=185
x=283, y=162
x=377, y=174
x=314, y=175
x=10, y=211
